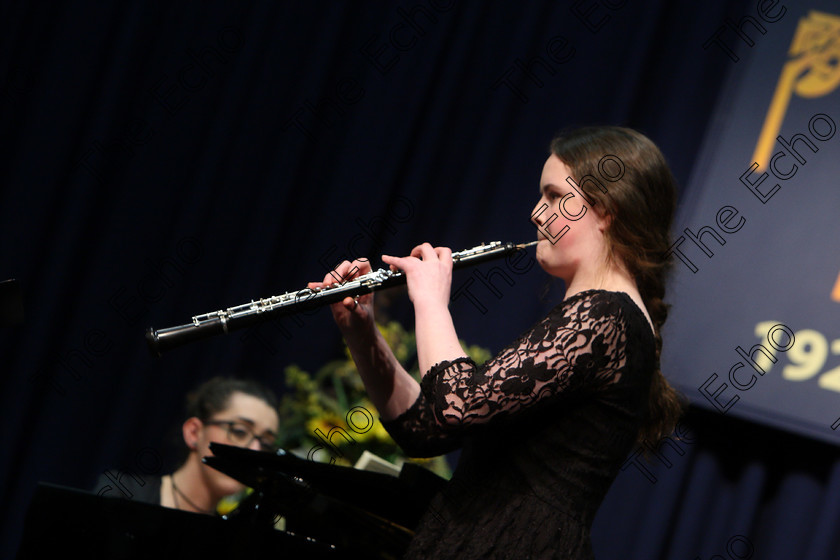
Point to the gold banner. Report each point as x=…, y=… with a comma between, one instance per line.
x=812, y=71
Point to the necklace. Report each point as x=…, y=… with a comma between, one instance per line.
x=177, y=491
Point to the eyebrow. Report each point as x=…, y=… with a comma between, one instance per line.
x=252, y=423
x=544, y=188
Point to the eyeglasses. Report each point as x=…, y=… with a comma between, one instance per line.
x=240, y=434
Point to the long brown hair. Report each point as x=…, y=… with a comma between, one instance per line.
x=626, y=177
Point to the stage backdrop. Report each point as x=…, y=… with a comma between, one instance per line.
x=165, y=160
x=755, y=327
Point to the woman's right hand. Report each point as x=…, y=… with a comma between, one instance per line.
x=391, y=389
x=349, y=313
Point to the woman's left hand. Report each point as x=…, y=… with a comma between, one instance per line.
x=428, y=272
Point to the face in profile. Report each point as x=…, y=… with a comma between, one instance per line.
x=248, y=422
x=569, y=230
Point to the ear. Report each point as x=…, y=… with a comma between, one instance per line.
x=603, y=219
x=192, y=432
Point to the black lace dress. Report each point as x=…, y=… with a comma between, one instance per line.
x=544, y=428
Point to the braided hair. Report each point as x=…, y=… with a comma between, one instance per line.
x=624, y=172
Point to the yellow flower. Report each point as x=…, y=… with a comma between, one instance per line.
x=380, y=433
x=230, y=503
x=324, y=424
x=376, y=433
x=320, y=402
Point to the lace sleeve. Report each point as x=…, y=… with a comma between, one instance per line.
x=580, y=345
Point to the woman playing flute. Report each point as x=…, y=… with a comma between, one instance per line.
x=545, y=425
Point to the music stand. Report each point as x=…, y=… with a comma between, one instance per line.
x=346, y=507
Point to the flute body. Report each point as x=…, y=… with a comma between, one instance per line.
x=233, y=318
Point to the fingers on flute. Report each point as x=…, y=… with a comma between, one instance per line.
x=351, y=304
x=395, y=263
x=346, y=271
x=427, y=252
x=422, y=251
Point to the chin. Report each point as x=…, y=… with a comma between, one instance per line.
x=544, y=254
x=543, y=260
x=553, y=268
x=543, y=247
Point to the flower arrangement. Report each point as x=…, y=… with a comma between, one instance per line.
x=334, y=397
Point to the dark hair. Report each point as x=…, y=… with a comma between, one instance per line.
x=213, y=396
x=627, y=178
x=210, y=398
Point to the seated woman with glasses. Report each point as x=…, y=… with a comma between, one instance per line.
x=228, y=411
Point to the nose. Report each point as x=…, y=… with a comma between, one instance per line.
x=254, y=445
x=539, y=212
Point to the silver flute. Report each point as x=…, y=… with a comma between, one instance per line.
x=264, y=309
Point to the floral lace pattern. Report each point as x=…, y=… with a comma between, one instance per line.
x=579, y=345
x=544, y=428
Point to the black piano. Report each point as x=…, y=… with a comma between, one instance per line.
x=328, y=511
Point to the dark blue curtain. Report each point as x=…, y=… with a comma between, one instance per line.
x=163, y=161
